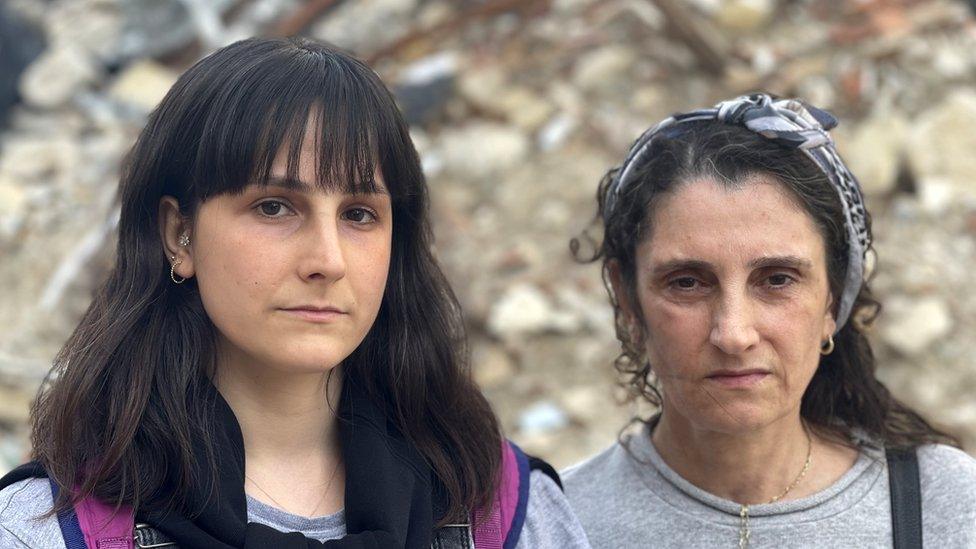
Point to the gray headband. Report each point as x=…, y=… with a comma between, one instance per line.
x=790, y=123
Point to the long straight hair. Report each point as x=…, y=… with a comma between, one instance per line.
x=845, y=400
x=128, y=394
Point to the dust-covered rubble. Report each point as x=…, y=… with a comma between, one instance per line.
x=518, y=109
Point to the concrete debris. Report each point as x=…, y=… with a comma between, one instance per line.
x=524, y=310
x=517, y=109
x=142, y=85
x=482, y=149
x=912, y=325
x=875, y=151
x=541, y=418
x=943, y=140
x=56, y=76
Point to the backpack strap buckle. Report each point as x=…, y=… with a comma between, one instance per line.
x=147, y=537
x=452, y=536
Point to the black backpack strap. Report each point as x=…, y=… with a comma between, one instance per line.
x=906, y=498
x=31, y=469
x=536, y=464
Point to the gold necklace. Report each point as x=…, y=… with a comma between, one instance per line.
x=325, y=492
x=744, y=511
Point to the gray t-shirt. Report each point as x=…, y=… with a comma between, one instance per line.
x=633, y=499
x=549, y=522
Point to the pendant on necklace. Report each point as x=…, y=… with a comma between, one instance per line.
x=744, y=527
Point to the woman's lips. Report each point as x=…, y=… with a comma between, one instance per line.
x=735, y=380
x=314, y=315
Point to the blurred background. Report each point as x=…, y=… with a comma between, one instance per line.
x=517, y=108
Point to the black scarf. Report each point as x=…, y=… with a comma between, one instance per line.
x=390, y=496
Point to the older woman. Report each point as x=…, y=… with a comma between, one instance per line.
x=733, y=248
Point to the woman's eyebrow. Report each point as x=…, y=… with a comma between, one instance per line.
x=680, y=265
x=790, y=261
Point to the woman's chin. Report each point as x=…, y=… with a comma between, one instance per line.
x=733, y=418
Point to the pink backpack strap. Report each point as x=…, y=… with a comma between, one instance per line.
x=104, y=526
x=91, y=524
x=500, y=526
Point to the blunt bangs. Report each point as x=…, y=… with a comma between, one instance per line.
x=263, y=97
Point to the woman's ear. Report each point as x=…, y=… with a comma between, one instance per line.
x=174, y=231
x=829, y=322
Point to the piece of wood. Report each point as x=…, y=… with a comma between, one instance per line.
x=483, y=10
x=703, y=40
x=301, y=19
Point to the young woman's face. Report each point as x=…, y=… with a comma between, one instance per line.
x=733, y=288
x=292, y=276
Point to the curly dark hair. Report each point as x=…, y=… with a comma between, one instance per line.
x=844, y=395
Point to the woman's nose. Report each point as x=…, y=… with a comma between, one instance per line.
x=323, y=254
x=733, y=324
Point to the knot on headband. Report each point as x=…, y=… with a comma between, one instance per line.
x=789, y=122
x=792, y=124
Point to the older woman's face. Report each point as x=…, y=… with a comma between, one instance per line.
x=733, y=288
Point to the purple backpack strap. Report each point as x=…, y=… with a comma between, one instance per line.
x=96, y=525
x=501, y=526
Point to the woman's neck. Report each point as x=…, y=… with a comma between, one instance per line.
x=290, y=431
x=282, y=416
x=752, y=467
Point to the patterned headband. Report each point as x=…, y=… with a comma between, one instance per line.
x=790, y=123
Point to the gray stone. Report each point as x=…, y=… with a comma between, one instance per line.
x=13, y=209
x=542, y=418
x=603, y=68
x=582, y=400
x=556, y=131
x=364, y=25
x=13, y=450
x=142, y=85
x=490, y=90
x=911, y=325
x=481, y=149
x=15, y=405
x=34, y=157
x=874, y=150
x=89, y=27
x=935, y=195
x=21, y=41
x=57, y=75
x=943, y=141
x=744, y=16
x=523, y=310
x=493, y=367
x=153, y=28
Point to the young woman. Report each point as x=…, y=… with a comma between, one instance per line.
x=734, y=250
x=276, y=360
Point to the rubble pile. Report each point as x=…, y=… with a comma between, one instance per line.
x=517, y=108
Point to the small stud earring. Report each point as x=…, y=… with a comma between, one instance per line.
x=184, y=240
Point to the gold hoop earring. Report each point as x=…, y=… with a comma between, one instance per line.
x=172, y=271
x=827, y=347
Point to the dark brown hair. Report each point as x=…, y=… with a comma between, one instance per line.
x=126, y=396
x=844, y=395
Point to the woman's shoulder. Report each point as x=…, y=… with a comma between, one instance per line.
x=549, y=520
x=22, y=521
x=597, y=473
x=946, y=469
x=947, y=477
